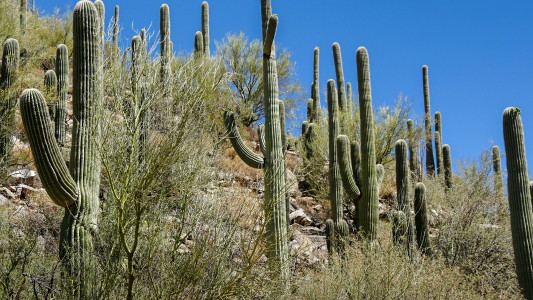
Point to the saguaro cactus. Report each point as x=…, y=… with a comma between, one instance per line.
x=273, y=164
x=164, y=30
x=430, y=161
x=115, y=29
x=23, y=14
x=50, y=86
x=421, y=219
x=100, y=7
x=335, y=183
x=519, y=199
x=8, y=76
x=448, y=172
x=497, y=169
x=349, y=99
x=198, y=45
x=62, y=72
x=315, y=89
x=205, y=28
x=78, y=189
x=337, y=59
x=438, y=152
x=371, y=175
x=414, y=163
x=402, y=187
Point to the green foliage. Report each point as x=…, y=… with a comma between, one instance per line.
x=244, y=60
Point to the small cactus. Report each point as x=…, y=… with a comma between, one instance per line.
x=309, y=111
x=498, y=177
x=198, y=45
x=519, y=199
x=421, y=219
x=100, y=7
x=402, y=187
x=430, y=161
x=50, y=87
x=399, y=228
x=414, y=163
x=330, y=236
x=448, y=172
x=438, y=152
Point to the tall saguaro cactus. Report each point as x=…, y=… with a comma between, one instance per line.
x=519, y=199
x=115, y=29
x=497, y=169
x=205, y=28
x=438, y=152
x=8, y=98
x=402, y=187
x=337, y=59
x=349, y=99
x=164, y=30
x=447, y=162
x=414, y=163
x=273, y=163
x=430, y=161
x=365, y=192
x=315, y=89
x=77, y=190
x=62, y=72
x=421, y=219
x=335, y=183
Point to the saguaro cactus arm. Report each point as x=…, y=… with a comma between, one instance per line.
x=53, y=171
x=198, y=44
x=421, y=219
x=205, y=27
x=430, y=162
x=247, y=155
x=62, y=72
x=345, y=168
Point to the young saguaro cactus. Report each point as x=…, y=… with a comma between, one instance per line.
x=430, y=161
x=497, y=168
x=402, y=187
x=519, y=199
x=77, y=190
x=371, y=174
x=448, y=172
x=335, y=182
x=421, y=219
x=198, y=45
x=205, y=28
x=50, y=87
x=8, y=76
x=273, y=164
x=62, y=72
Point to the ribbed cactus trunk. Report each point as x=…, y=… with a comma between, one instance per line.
x=402, y=188
x=343, y=101
x=497, y=169
x=315, y=89
x=368, y=208
x=414, y=163
x=50, y=87
x=100, y=7
x=448, y=171
x=349, y=100
x=23, y=14
x=335, y=183
x=77, y=190
x=8, y=76
x=430, y=161
x=438, y=152
x=205, y=28
x=198, y=45
x=62, y=72
x=421, y=219
x=115, y=29
x=310, y=111
x=164, y=31
x=519, y=199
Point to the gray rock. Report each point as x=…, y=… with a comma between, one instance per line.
x=300, y=217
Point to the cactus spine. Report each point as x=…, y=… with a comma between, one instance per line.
x=430, y=161
x=402, y=187
x=335, y=183
x=448, y=172
x=8, y=76
x=50, y=87
x=498, y=177
x=78, y=191
x=205, y=28
x=421, y=219
x=519, y=199
x=62, y=72
x=198, y=45
x=164, y=29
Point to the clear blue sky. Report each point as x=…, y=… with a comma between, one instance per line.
x=479, y=53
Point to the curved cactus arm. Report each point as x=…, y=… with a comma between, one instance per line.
x=270, y=34
x=247, y=155
x=261, y=134
x=345, y=168
x=53, y=171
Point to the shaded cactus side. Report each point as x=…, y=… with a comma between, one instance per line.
x=8, y=76
x=448, y=172
x=520, y=206
x=50, y=87
x=430, y=161
x=205, y=28
x=62, y=72
x=497, y=169
x=421, y=219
